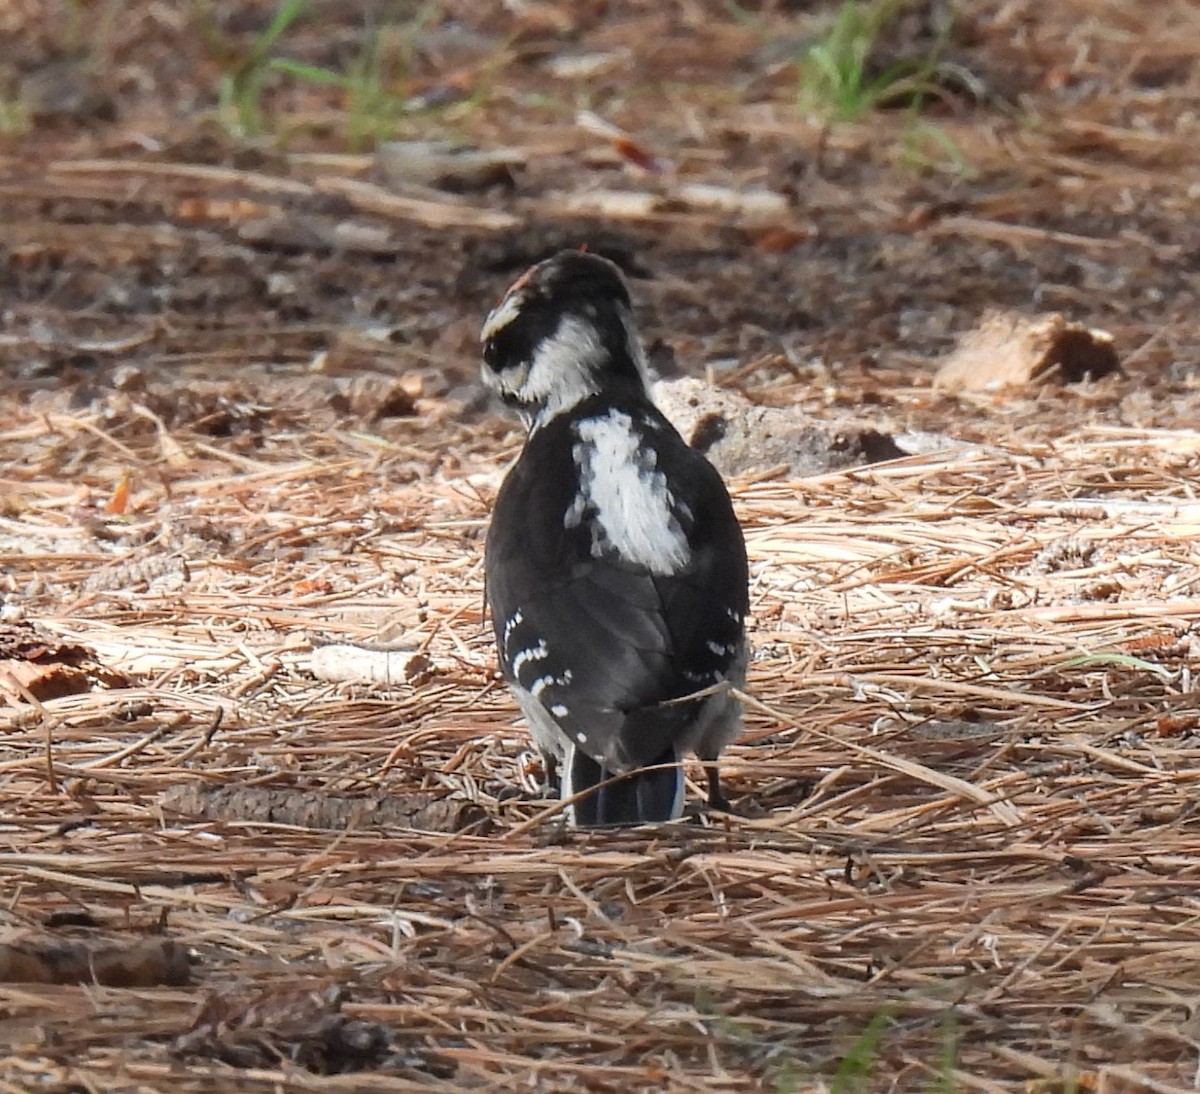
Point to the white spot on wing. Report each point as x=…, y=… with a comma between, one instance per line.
x=581, y=738
x=534, y=653
x=559, y=711
x=631, y=509
x=543, y=682
x=514, y=621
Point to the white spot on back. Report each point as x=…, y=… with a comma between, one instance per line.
x=632, y=511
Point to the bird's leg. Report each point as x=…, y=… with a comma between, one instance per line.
x=716, y=799
x=553, y=784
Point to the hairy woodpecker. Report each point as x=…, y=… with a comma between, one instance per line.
x=616, y=569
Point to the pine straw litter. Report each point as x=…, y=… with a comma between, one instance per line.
x=965, y=837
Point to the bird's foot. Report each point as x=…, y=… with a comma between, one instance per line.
x=716, y=796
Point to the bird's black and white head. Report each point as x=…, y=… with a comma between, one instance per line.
x=563, y=332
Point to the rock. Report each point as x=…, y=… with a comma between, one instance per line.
x=739, y=437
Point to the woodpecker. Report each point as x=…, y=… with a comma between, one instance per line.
x=615, y=567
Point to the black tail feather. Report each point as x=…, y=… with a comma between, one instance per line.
x=646, y=796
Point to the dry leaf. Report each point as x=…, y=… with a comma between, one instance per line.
x=312, y=585
x=217, y=209
x=781, y=239
x=118, y=504
x=623, y=144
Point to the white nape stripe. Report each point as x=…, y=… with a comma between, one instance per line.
x=631, y=508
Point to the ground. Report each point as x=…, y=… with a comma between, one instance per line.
x=240, y=424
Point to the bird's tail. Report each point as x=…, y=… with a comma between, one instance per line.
x=645, y=796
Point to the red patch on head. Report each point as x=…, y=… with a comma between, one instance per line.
x=521, y=281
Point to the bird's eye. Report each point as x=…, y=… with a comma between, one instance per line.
x=491, y=355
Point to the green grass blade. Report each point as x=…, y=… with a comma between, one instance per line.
x=1126, y=660
x=312, y=73
x=287, y=13
x=854, y=1072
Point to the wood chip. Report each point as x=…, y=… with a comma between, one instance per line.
x=42, y=681
x=363, y=665
x=443, y=165
x=1010, y=350
x=370, y=198
x=336, y=812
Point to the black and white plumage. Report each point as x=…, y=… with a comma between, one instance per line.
x=616, y=569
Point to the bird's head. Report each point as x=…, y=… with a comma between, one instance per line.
x=563, y=332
